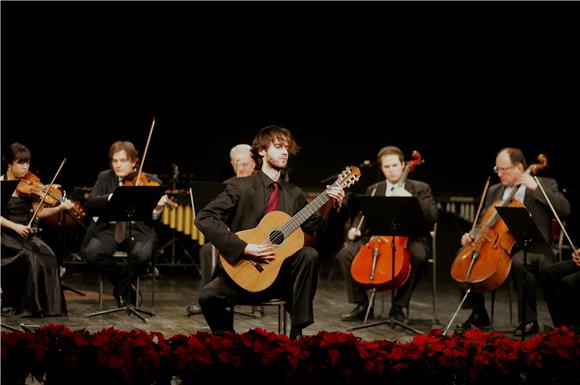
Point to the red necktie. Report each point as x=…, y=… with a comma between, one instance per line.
x=273, y=200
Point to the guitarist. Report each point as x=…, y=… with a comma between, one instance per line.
x=241, y=207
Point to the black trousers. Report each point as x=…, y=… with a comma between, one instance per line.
x=529, y=308
x=206, y=263
x=561, y=284
x=296, y=283
x=419, y=253
x=99, y=250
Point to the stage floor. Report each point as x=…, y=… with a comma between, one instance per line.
x=176, y=288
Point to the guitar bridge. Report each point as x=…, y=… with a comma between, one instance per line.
x=257, y=265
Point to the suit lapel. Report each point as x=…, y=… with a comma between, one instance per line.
x=381, y=189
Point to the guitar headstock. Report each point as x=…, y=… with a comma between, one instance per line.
x=348, y=177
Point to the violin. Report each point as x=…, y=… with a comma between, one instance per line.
x=141, y=179
x=485, y=264
x=373, y=264
x=30, y=185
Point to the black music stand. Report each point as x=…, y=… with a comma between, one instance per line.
x=131, y=204
x=523, y=228
x=392, y=216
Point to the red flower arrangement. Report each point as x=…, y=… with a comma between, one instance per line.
x=57, y=355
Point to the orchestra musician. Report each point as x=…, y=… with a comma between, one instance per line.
x=103, y=238
x=391, y=162
x=510, y=166
x=561, y=285
x=30, y=271
x=243, y=165
x=241, y=207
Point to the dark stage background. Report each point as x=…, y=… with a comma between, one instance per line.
x=456, y=82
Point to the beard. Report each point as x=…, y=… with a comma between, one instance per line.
x=277, y=164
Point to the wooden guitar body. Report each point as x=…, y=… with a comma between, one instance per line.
x=244, y=273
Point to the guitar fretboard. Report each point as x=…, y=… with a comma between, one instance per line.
x=305, y=213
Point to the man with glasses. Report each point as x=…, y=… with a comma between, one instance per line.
x=510, y=167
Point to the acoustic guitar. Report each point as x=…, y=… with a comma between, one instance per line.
x=283, y=233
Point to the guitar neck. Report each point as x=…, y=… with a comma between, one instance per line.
x=305, y=213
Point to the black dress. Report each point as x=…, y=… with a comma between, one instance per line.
x=30, y=271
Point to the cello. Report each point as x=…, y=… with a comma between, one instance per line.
x=372, y=267
x=484, y=264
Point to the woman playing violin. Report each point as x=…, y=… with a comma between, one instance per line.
x=391, y=162
x=510, y=167
x=30, y=271
x=103, y=237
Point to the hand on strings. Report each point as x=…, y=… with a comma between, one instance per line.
x=527, y=180
x=66, y=204
x=260, y=252
x=353, y=233
x=576, y=257
x=336, y=193
x=466, y=239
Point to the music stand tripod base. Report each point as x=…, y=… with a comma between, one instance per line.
x=389, y=321
x=130, y=309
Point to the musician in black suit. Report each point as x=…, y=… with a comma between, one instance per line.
x=241, y=207
x=561, y=285
x=510, y=166
x=391, y=162
x=103, y=238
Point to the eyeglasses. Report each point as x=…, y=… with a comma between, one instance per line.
x=497, y=169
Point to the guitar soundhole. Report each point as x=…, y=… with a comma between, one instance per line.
x=276, y=237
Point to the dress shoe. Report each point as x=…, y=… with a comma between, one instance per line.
x=529, y=328
x=117, y=296
x=479, y=320
x=397, y=314
x=358, y=313
x=193, y=310
x=130, y=297
x=295, y=333
x=7, y=311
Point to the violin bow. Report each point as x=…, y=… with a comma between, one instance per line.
x=46, y=193
x=145, y=152
x=483, y=195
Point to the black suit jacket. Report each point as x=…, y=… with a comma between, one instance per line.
x=241, y=207
x=536, y=203
x=107, y=182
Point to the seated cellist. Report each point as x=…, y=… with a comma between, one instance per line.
x=510, y=166
x=391, y=162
